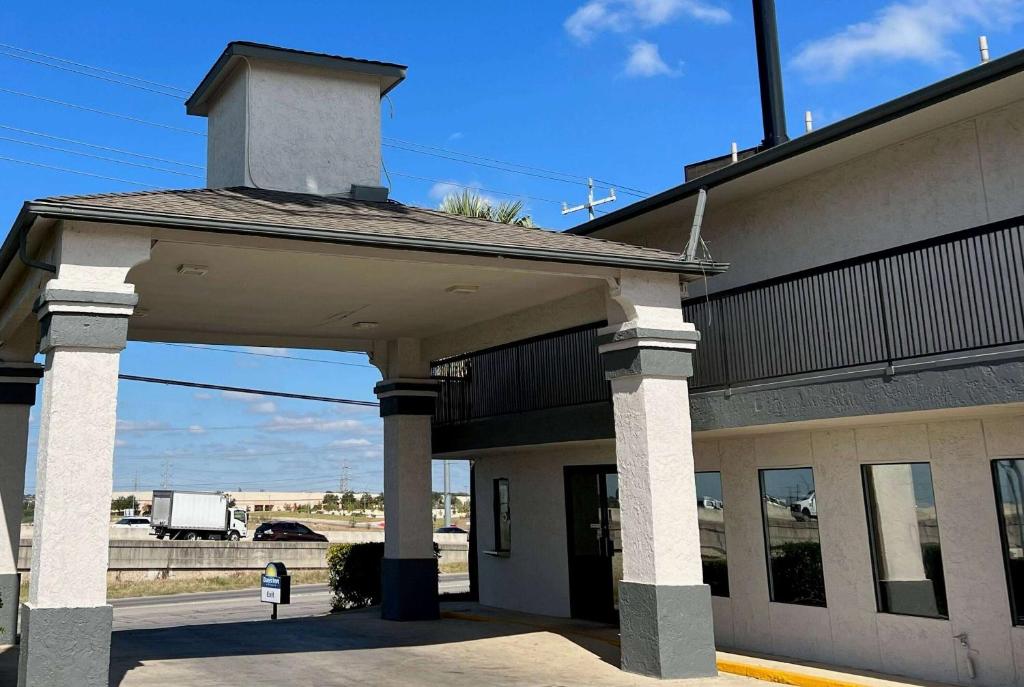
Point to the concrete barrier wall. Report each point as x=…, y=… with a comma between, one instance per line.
x=153, y=555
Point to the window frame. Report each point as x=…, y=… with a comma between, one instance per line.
x=1016, y=605
x=762, y=496
x=721, y=485
x=869, y=521
x=496, y=508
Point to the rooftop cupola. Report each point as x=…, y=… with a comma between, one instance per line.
x=290, y=120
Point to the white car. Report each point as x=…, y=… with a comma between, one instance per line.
x=134, y=522
x=808, y=506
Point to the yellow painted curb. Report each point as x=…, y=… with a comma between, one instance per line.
x=779, y=676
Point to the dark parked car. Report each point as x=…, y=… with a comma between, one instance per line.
x=283, y=530
x=451, y=529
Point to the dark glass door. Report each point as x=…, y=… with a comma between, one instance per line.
x=595, y=541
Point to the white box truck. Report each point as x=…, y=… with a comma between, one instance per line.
x=196, y=515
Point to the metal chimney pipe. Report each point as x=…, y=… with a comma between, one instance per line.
x=769, y=71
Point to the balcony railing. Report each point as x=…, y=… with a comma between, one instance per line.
x=560, y=369
x=951, y=294
x=955, y=293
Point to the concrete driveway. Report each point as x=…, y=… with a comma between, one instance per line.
x=358, y=648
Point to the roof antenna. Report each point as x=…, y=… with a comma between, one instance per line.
x=983, y=48
x=698, y=219
x=591, y=203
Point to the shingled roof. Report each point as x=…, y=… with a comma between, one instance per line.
x=344, y=220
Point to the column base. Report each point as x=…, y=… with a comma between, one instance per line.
x=667, y=631
x=10, y=588
x=65, y=647
x=910, y=597
x=409, y=589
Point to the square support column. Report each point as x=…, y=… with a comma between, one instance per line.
x=17, y=396
x=409, y=568
x=664, y=606
x=83, y=324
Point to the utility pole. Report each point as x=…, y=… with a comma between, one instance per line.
x=343, y=485
x=591, y=203
x=447, y=493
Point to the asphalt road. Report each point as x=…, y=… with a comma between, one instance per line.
x=235, y=606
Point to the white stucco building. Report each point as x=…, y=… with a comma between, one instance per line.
x=810, y=445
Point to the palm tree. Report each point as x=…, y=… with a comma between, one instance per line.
x=470, y=204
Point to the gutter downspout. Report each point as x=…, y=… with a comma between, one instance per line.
x=23, y=252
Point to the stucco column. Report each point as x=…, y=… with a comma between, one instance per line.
x=898, y=545
x=17, y=395
x=664, y=605
x=409, y=568
x=83, y=316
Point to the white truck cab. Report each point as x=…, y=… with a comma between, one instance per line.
x=239, y=524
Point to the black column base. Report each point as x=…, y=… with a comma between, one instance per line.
x=667, y=631
x=409, y=589
x=65, y=647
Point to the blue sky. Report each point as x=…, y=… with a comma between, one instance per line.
x=627, y=91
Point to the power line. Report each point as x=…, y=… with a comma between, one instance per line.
x=75, y=106
x=109, y=79
x=75, y=171
x=244, y=390
x=121, y=151
x=236, y=351
x=93, y=68
x=99, y=157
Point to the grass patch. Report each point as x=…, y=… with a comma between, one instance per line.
x=179, y=585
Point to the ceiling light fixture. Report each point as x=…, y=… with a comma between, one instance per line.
x=364, y=325
x=193, y=270
x=463, y=288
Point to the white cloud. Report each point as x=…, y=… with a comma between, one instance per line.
x=202, y=396
x=645, y=61
x=454, y=136
x=140, y=425
x=620, y=16
x=349, y=443
x=916, y=30
x=196, y=429
x=311, y=423
x=263, y=407
x=443, y=189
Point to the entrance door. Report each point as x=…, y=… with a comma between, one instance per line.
x=595, y=541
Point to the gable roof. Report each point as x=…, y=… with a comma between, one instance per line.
x=281, y=214
x=934, y=94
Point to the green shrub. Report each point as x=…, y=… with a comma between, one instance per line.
x=716, y=575
x=797, y=576
x=353, y=573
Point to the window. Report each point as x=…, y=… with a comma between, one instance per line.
x=905, y=550
x=789, y=508
x=1009, y=476
x=711, y=522
x=502, y=516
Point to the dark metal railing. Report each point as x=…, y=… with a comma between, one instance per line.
x=954, y=293
x=560, y=369
x=945, y=295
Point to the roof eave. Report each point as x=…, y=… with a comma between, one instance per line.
x=894, y=109
x=68, y=211
x=390, y=74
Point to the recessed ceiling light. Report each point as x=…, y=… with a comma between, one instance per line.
x=364, y=325
x=463, y=288
x=193, y=270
